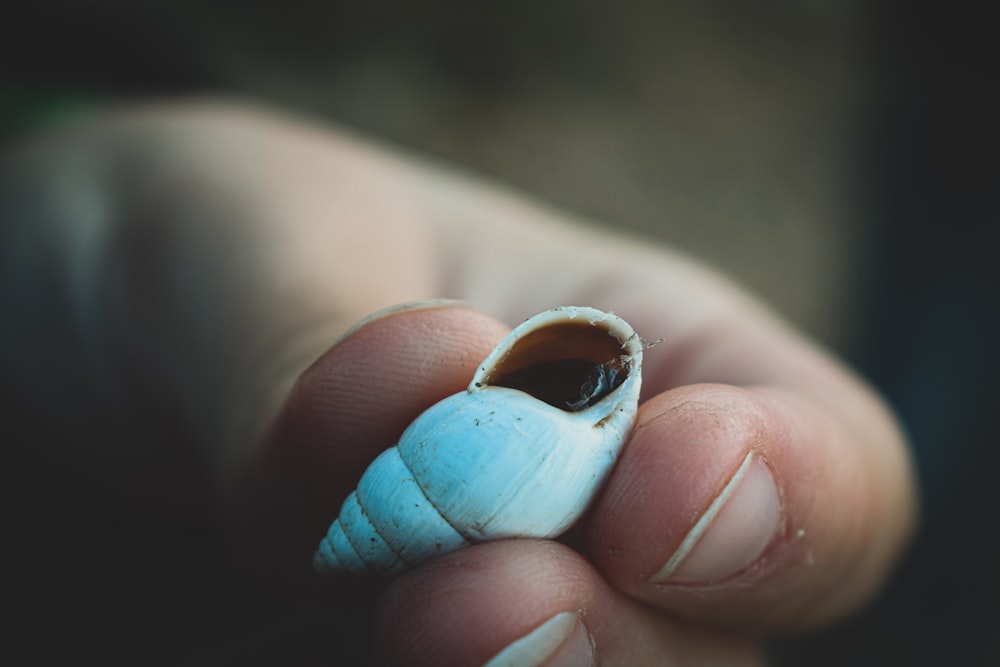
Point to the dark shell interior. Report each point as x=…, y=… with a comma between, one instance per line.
x=569, y=365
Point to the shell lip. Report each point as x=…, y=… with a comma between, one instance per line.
x=572, y=357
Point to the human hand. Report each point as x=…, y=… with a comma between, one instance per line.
x=236, y=245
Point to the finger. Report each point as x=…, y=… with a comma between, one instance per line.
x=527, y=603
x=350, y=405
x=186, y=261
x=750, y=507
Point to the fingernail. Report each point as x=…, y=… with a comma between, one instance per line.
x=735, y=529
x=561, y=641
x=396, y=309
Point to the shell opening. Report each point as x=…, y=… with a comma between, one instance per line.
x=570, y=365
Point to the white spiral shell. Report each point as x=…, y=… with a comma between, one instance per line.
x=520, y=453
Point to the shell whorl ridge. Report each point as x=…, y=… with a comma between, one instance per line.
x=520, y=453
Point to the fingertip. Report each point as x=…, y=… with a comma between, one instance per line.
x=352, y=403
x=357, y=398
x=468, y=607
x=399, y=309
x=742, y=507
x=531, y=603
x=693, y=450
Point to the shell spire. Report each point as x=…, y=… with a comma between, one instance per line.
x=520, y=453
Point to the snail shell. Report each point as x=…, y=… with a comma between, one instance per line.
x=520, y=453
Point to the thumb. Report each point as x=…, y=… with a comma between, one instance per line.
x=346, y=408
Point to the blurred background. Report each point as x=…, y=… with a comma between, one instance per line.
x=833, y=157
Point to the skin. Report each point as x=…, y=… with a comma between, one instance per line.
x=234, y=246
